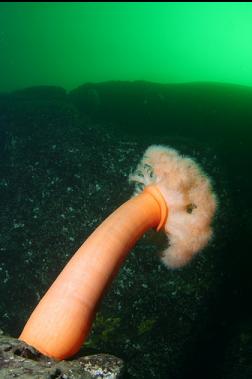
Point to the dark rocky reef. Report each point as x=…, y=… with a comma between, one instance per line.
x=177, y=109
x=65, y=159
x=40, y=93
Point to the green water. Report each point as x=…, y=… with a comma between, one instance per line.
x=67, y=44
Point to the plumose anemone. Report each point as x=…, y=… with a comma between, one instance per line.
x=188, y=193
x=172, y=194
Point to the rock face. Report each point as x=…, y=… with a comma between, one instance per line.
x=18, y=360
x=189, y=109
x=65, y=161
x=41, y=93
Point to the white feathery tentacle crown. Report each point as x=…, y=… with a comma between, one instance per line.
x=189, y=196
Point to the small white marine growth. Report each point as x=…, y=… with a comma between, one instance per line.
x=188, y=193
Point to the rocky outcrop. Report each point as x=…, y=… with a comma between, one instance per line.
x=19, y=360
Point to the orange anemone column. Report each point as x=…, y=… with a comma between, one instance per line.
x=62, y=320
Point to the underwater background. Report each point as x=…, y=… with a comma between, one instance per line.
x=85, y=88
